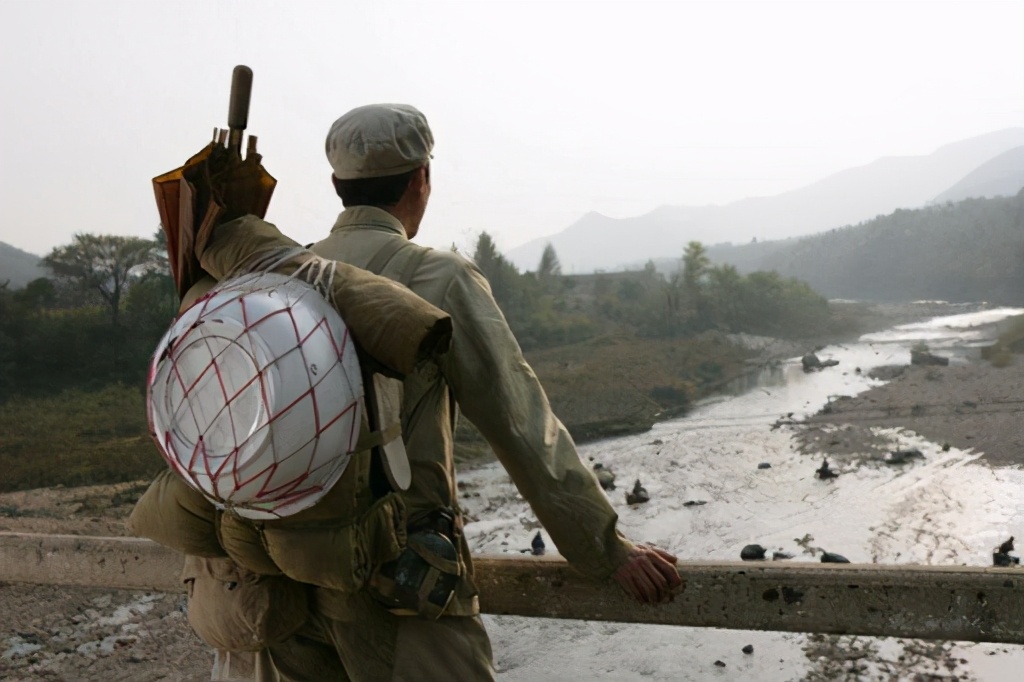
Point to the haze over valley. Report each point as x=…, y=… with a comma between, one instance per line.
x=987, y=165
x=761, y=233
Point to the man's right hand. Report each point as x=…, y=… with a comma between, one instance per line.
x=649, y=575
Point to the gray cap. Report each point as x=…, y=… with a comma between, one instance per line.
x=378, y=140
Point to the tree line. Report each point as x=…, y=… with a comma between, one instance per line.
x=546, y=308
x=97, y=319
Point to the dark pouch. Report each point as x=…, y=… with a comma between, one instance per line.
x=422, y=580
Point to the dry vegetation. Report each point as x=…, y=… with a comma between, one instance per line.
x=76, y=438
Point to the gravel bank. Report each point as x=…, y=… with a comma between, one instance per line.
x=974, y=407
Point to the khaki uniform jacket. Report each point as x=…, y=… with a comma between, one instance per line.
x=486, y=375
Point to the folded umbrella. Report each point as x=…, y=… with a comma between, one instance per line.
x=214, y=185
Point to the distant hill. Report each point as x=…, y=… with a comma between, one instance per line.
x=969, y=251
x=20, y=267
x=851, y=196
x=1003, y=176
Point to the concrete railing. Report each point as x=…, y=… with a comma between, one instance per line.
x=925, y=602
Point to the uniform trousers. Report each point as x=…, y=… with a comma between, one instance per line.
x=364, y=642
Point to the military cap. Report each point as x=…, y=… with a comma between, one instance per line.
x=376, y=140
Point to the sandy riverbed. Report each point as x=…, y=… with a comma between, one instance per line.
x=975, y=407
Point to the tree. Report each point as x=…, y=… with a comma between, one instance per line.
x=38, y=294
x=102, y=263
x=549, y=266
x=725, y=297
x=161, y=261
x=501, y=274
x=694, y=284
x=486, y=254
x=695, y=266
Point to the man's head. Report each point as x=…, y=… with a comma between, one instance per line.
x=380, y=155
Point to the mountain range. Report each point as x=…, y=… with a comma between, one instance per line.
x=1002, y=176
x=18, y=268
x=986, y=165
x=964, y=251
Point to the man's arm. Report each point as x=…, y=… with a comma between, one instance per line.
x=499, y=392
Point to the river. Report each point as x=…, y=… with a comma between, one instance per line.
x=948, y=508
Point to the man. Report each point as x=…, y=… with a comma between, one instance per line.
x=380, y=157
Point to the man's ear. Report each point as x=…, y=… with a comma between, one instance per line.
x=421, y=178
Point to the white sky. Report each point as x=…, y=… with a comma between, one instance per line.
x=542, y=111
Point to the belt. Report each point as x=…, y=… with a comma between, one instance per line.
x=444, y=521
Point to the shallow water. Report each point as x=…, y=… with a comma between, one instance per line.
x=945, y=509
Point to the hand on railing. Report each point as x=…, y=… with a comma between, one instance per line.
x=649, y=575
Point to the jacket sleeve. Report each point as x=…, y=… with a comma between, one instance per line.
x=498, y=391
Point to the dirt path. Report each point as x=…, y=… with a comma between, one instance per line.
x=85, y=634
x=55, y=633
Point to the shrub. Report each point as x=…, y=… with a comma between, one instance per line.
x=1002, y=358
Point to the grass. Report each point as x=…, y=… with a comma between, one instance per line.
x=604, y=387
x=76, y=438
x=1009, y=343
x=624, y=379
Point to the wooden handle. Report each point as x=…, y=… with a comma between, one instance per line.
x=241, y=90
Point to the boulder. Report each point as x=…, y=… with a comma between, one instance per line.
x=923, y=357
x=833, y=558
x=810, y=362
x=752, y=553
x=605, y=476
x=903, y=456
x=1004, y=560
x=638, y=495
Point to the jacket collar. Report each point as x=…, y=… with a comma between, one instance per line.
x=368, y=217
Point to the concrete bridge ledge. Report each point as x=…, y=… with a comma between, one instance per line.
x=926, y=602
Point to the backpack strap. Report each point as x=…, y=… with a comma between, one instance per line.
x=385, y=254
x=383, y=411
x=382, y=258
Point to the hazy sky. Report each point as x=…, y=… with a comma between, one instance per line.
x=542, y=111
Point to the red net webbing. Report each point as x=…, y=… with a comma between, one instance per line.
x=255, y=395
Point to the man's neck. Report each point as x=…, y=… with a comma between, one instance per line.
x=403, y=216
